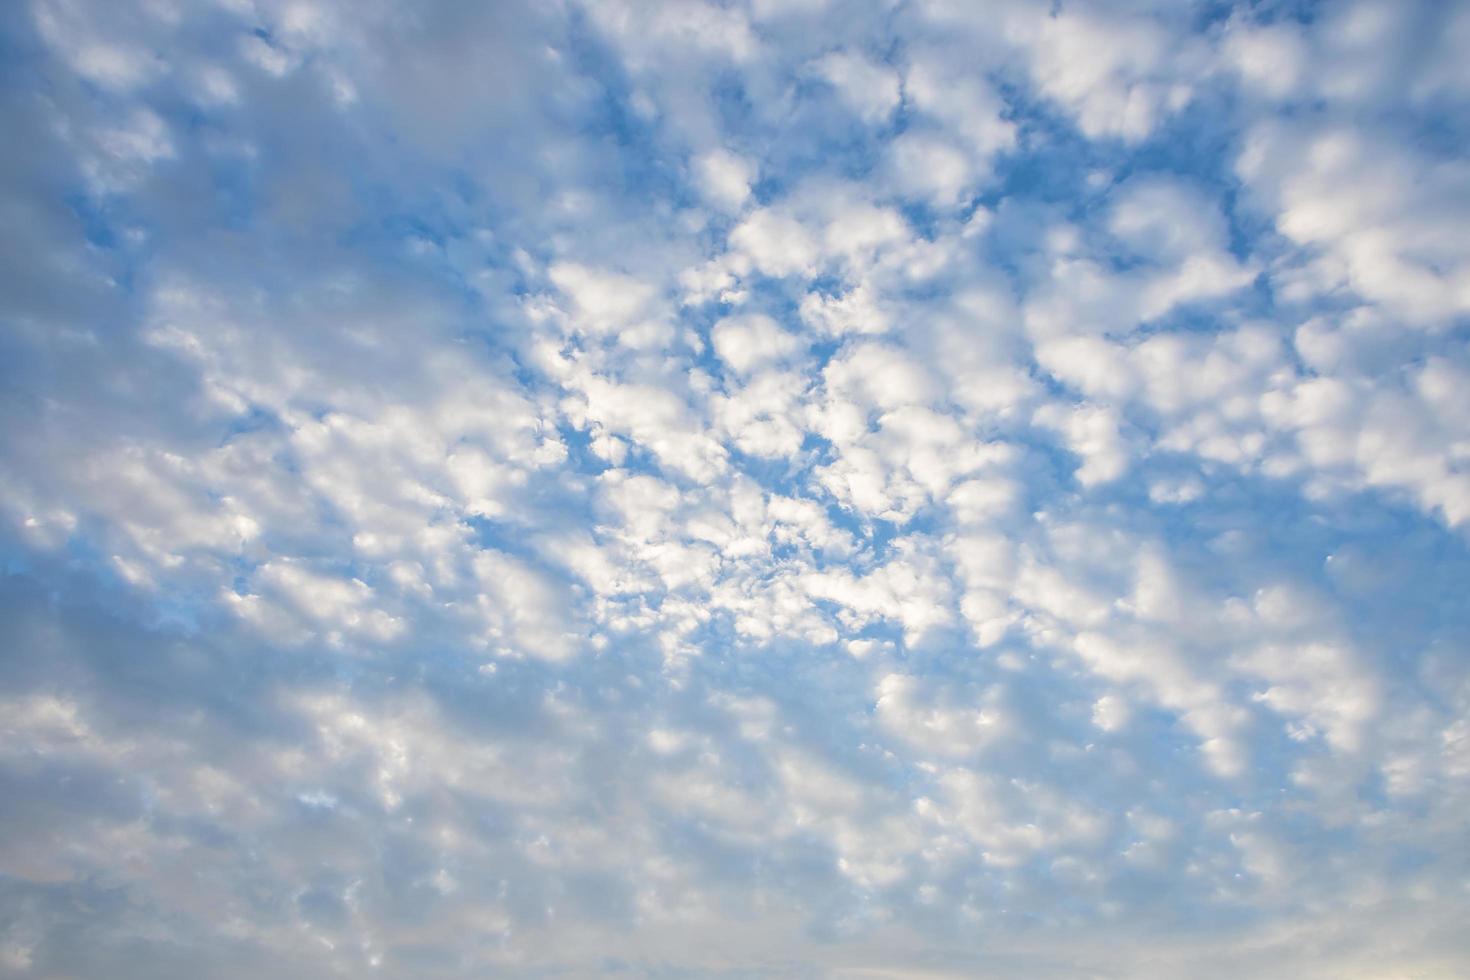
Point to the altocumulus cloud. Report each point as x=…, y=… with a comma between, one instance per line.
x=759, y=488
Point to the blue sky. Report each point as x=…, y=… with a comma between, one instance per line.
x=786, y=488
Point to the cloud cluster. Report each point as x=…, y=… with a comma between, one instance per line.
x=767, y=488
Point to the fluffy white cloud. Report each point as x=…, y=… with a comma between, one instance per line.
x=602, y=301
x=698, y=488
x=870, y=90
x=724, y=178
x=1118, y=76
x=775, y=244
x=1376, y=219
x=750, y=341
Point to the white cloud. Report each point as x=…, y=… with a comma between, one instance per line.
x=1110, y=712
x=775, y=244
x=95, y=45
x=602, y=301
x=1007, y=824
x=963, y=105
x=724, y=178
x=870, y=90
x=930, y=166
x=333, y=606
x=525, y=613
x=510, y=488
x=750, y=341
x=947, y=731
x=1377, y=218
x=1270, y=60
x=1092, y=432
x=1169, y=678
x=853, y=312
x=1114, y=75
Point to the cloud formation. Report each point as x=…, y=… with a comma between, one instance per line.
x=734, y=489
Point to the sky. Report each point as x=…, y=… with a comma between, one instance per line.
x=735, y=488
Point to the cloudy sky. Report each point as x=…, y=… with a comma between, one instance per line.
x=735, y=488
